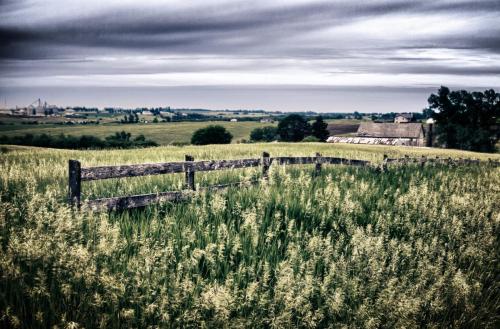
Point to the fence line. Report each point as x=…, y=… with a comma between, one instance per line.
x=77, y=175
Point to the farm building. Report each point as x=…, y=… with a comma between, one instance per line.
x=403, y=118
x=411, y=134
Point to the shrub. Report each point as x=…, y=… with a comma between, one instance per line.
x=264, y=134
x=213, y=134
x=118, y=140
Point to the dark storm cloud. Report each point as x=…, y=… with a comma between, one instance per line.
x=212, y=29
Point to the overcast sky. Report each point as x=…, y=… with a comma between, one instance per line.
x=277, y=55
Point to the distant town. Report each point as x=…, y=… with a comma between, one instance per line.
x=80, y=114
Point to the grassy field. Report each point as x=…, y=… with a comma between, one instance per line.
x=162, y=133
x=410, y=247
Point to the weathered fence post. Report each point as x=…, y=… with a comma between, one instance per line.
x=189, y=172
x=265, y=165
x=317, y=168
x=75, y=182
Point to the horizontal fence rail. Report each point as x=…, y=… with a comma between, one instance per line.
x=146, y=169
x=439, y=160
x=77, y=174
x=142, y=200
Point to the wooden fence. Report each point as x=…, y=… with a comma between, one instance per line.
x=77, y=175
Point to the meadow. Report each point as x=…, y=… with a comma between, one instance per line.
x=355, y=248
x=165, y=133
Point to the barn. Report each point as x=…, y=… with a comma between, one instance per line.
x=411, y=134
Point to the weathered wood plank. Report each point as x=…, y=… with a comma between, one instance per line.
x=210, y=165
x=135, y=201
x=314, y=160
x=142, y=200
x=349, y=162
x=292, y=160
x=448, y=161
x=106, y=172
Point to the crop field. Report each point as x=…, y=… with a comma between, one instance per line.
x=356, y=248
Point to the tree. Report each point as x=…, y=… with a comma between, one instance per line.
x=265, y=134
x=293, y=128
x=213, y=134
x=319, y=129
x=466, y=120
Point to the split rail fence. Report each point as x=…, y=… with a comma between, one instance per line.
x=77, y=175
x=189, y=167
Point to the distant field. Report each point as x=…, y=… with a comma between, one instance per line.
x=162, y=133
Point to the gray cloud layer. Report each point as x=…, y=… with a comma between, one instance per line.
x=323, y=43
x=220, y=29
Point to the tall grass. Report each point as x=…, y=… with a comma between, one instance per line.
x=411, y=247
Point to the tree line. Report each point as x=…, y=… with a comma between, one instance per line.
x=119, y=140
x=466, y=120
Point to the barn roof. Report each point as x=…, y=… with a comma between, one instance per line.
x=390, y=130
